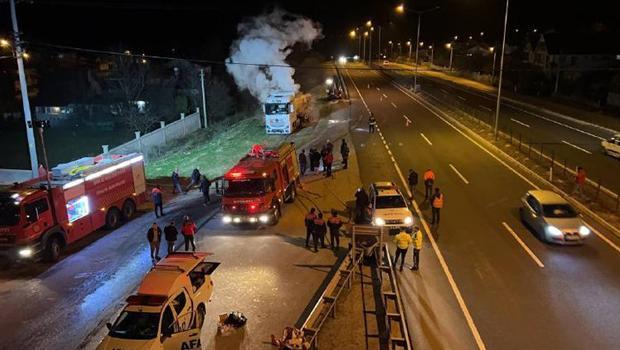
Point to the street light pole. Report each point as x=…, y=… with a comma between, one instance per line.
x=409, y=44
x=370, y=47
x=451, y=55
x=417, y=46
x=432, y=53
x=204, y=98
x=493, y=69
x=379, y=42
x=32, y=147
x=501, y=72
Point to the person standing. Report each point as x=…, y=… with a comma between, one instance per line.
x=309, y=222
x=361, y=202
x=344, y=152
x=158, y=200
x=417, y=246
x=195, y=179
x=176, y=182
x=429, y=180
x=205, y=185
x=154, y=237
x=334, y=223
x=412, y=179
x=372, y=123
x=314, y=156
x=320, y=229
x=303, y=162
x=437, y=204
x=171, y=233
x=402, y=240
x=580, y=180
x=328, y=160
x=188, y=230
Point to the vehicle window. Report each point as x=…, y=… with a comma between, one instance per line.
x=9, y=211
x=34, y=209
x=276, y=108
x=559, y=211
x=533, y=203
x=179, y=303
x=197, y=276
x=167, y=320
x=390, y=202
x=246, y=187
x=135, y=325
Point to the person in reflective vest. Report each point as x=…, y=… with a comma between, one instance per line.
x=429, y=180
x=309, y=221
x=320, y=229
x=334, y=224
x=417, y=246
x=402, y=241
x=437, y=204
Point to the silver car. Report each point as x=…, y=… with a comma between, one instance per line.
x=552, y=218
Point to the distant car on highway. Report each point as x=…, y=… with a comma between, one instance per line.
x=612, y=146
x=389, y=206
x=552, y=218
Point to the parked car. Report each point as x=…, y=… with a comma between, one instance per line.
x=389, y=206
x=612, y=146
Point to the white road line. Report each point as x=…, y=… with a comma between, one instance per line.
x=378, y=89
x=407, y=119
x=393, y=105
x=426, y=139
x=444, y=91
x=384, y=95
x=558, y=123
x=485, y=108
x=520, y=122
x=577, y=147
x=523, y=245
x=459, y=174
x=461, y=97
x=607, y=240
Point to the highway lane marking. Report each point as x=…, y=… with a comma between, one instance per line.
x=407, y=119
x=486, y=108
x=520, y=122
x=459, y=174
x=444, y=266
x=426, y=139
x=577, y=147
x=461, y=97
x=378, y=89
x=605, y=239
x=384, y=95
x=394, y=105
x=523, y=245
x=444, y=91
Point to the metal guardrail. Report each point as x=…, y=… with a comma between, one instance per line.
x=398, y=335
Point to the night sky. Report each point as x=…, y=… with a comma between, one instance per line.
x=205, y=28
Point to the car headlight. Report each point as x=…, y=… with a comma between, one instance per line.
x=379, y=221
x=583, y=230
x=253, y=219
x=554, y=231
x=263, y=218
x=408, y=220
x=227, y=219
x=25, y=252
x=237, y=220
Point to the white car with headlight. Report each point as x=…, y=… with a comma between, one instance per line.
x=552, y=218
x=389, y=207
x=611, y=146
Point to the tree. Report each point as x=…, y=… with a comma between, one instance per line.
x=219, y=103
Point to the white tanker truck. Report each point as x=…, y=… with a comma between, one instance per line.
x=285, y=111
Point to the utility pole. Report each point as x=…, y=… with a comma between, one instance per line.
x=417, y=47
x=370, y=46
x=364, y=50
x=501, y=72
x=32, y=146
x=451, y=54
x=204, y=98
x=379, y=43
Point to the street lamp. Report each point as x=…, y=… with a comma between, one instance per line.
x=391, y=49
x=430, y=47
x=4, y=43
x=352, y=35
x=492, y=50
x=364, y=47
x=501, y=71
x=409, y=44
x=450, y=47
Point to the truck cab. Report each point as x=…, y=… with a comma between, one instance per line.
x=168, y=310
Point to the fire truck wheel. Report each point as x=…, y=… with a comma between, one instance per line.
x=276, y=215
x=113, y=218
x=53, y=249
x=292, y=195
x=200, y=316
x=129, y=209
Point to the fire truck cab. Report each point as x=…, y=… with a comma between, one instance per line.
x=169, y=308
x=256, y=188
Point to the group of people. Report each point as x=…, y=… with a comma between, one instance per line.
x=170, y=233
x=324, y=158
x=196, y=180
x=435, y=197
x=316, y=228
x=403, y=241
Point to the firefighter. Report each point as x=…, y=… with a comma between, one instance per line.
x=176, y=182
x=429, y=180
x=195, y=179
x=412, y=179
x=188, y=229
x=328, y=160
x=403, y=240
x=372, y=123
x=171, y=233
x=320, y=229
x=154, y=237
x=417, y=246
x=334, y=224
x=158, y=201
x=309, y=221
x=344, y=152
x=437, y=204
x=302, y=162
x=205, y=184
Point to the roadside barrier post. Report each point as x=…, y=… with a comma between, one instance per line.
x=598, y=189
x=519, y=142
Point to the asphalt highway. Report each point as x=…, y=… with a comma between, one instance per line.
x=517, y=292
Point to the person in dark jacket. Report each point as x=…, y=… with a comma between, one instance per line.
x=154, y=237
x=205, y=183
x=361, y=202
x=303, y=162
x=176, y=182
x=372, y=123
x=328, y=160
x=315, y=158
x=170, y=233
x=412, y=179
x=334, y=223
x=320, y=229
x=195, y=179
x=158, y=200
x=309, y=222
x=344, y=152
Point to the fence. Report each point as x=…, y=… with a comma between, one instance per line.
x=149, y=143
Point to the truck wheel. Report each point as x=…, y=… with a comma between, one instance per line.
x=292, y=195
x=53, y=249
x=200, y=316
x=276, y=216
x=113, y=218
x=129, y=209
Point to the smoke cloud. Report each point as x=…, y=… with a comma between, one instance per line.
x=267, y=40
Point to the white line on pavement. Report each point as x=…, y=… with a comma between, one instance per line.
x=461, y=97
x=407, y=119
x=378, y=89
x=520, y=122
x=444, y=91
x=605, y=239
x=393, y=105
x=523, y=245
x=577, y=147
x=559, y=123
x=486, y=108
x=459, y=174
x=384, y=95
x=426, y=139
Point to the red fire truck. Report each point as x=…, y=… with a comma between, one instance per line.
x=38, y=221
x=256, y=188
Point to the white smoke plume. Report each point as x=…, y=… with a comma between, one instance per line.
x=267, y=40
